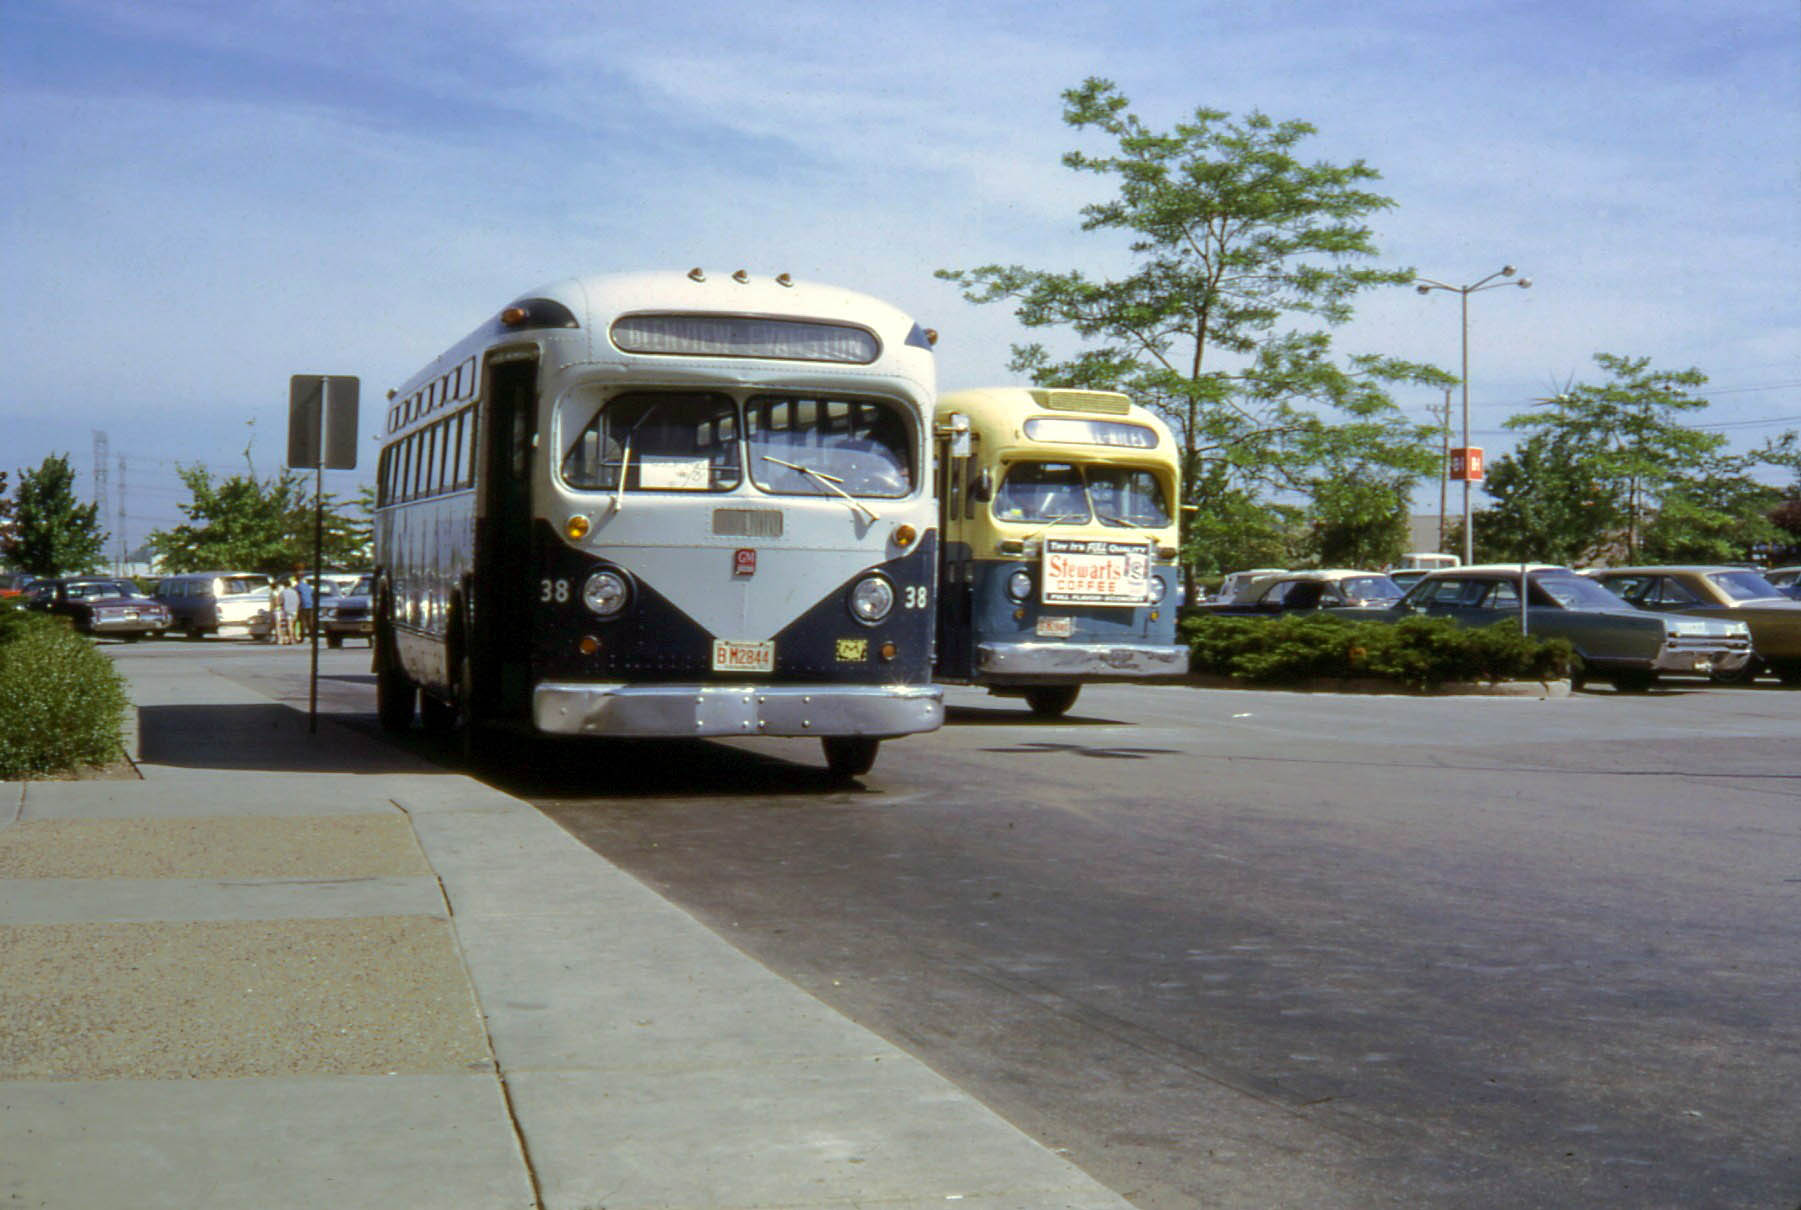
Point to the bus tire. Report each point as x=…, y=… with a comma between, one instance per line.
x=849, y=755
x=334, y=641
x=436, y=715
x=1051, y=701
x=395, y=696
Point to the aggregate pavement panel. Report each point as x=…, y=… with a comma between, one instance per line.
x=161, y=1000
x=398, y=1143
x=305, y=846
x=826, y=1133
x=100, y=900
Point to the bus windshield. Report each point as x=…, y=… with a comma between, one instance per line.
x=801, y=445
x=1063, y=491
x=666, y=442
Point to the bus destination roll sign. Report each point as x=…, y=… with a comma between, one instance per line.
x=1078, y=572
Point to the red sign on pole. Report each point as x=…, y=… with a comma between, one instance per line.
x=1466, y=464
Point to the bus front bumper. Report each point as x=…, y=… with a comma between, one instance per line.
x=1030, y=662
x=671, y=711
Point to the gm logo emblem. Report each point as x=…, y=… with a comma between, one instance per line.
x=744, y=562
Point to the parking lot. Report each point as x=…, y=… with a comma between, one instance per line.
x=1244, y=948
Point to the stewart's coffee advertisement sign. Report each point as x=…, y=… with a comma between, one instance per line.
x=1080, y=572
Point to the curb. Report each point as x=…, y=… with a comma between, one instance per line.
x=1539, y=690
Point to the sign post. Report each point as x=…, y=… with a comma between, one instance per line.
x=321, y=433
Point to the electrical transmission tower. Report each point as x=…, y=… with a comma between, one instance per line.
x=101, y=455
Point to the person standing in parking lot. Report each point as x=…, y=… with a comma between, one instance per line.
x=287, y=615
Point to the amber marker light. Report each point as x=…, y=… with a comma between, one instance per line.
x=904, y=536
x=577, y=527
x=888, y=651
x=512, y=317
x=589, y=645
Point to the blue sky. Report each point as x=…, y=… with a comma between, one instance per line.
x=199, y=199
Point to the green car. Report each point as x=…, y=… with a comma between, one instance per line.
x=1613, y=641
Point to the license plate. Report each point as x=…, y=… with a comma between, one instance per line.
x=1056, y=628
x=731, y=656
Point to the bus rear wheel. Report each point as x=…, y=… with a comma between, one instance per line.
x=850, y=755
x=1052, y=701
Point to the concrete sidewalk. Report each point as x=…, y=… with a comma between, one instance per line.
x=287, y=969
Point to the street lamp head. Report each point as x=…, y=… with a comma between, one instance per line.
x=1525, y=282
x=1506, y=270
x=1424, y=289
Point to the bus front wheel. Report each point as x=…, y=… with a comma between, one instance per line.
x=850, y=755
x=395, y=696
x=1052, y=701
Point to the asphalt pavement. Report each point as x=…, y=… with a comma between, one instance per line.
x=287, y=967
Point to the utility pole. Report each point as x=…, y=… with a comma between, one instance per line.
x=124, y=548
x=1443, y=415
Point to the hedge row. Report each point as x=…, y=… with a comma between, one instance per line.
x=62, y=703
x=1420, y=652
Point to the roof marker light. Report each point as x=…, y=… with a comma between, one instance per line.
x=742, y=276
x=512, y=317
x=783, y=279
x=695, y=274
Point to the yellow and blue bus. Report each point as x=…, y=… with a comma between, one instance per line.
x=1058, y=514
x=661, y=505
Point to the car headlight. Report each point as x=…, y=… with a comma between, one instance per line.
x=1159, y=590
x=606, y=593
x=871, y=598
x=1019, y=585
x=328, y=612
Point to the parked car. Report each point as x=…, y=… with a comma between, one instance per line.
x=347, y=614
x=100, y=606
x=1407, y=577
x=1786, y=579
x=14, y=583
x=1235, y=582
x=1613, y=640
x=1298, y=591
x=1711, y=591
x=217, y=602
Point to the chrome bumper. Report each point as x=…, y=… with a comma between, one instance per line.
x=670, y=711
x=1098, y=661
x=1702, y=655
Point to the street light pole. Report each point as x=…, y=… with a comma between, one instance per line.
x=1426, y=285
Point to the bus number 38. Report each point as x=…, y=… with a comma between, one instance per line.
x=554, y=590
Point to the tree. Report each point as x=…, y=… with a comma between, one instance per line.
x=244, y=523
x=52, y=533
x=1232, y=235
x=1718, y=515
x=1550, y=506
x=1629, y=436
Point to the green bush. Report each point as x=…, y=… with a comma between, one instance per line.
x=62, y=703
x=1422, y=652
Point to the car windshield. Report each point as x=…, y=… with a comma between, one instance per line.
x=1743, y=585
x=1370, y=589
x=1045, y=492
x=363, y=587
x=87, y=590
x=1575, y=592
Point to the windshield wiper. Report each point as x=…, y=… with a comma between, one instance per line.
x=832, y=483
x=1059, y=519
x=625, y=457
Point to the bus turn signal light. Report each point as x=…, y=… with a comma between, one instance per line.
x=577, y=527
x=904, y=536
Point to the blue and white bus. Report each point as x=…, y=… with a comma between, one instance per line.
x=663, y=505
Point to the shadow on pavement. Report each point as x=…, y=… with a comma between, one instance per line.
x=271, y=737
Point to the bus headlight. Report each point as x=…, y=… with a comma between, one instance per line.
x=1019, y=585
x=1158, y=590
x=871, y=598
x=605, y=593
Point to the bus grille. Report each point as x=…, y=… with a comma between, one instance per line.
x=748, y=522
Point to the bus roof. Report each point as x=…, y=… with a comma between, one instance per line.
x=577, y=314
x=1002, y=412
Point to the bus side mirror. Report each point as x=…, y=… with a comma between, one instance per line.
x=983, y=488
